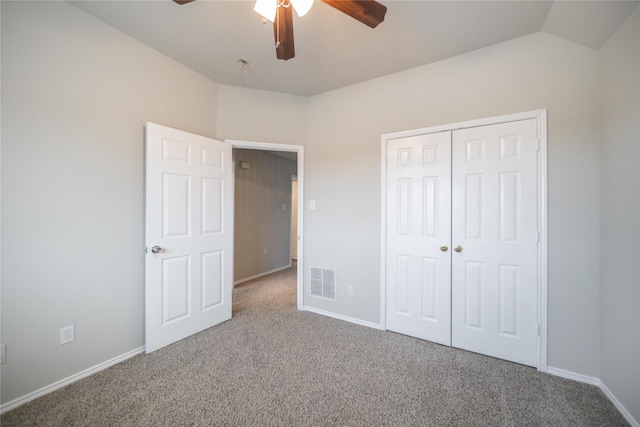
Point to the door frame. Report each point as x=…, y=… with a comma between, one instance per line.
x=541, y=119
x=294, y=178
x=299, y=149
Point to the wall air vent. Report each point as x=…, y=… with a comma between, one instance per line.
x=323, y=283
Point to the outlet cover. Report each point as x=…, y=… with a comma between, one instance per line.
x=67, y=334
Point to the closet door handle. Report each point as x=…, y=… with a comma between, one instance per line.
x=444, y=248
x=458, y=248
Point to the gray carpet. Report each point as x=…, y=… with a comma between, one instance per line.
x=273, y=365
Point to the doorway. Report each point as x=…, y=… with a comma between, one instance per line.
x=294, y=152
x=189, y=215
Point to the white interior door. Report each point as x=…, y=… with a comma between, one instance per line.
x=189, y=234
x=418, y=236
x=495, y=236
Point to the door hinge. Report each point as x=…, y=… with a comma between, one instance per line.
x=538, y=329
x=537, y=144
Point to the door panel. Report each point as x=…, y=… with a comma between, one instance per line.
x=494, y=276
x=212, y=205
x=176, y=284
x=418, y=224
x=189, y=219
x=212, y=279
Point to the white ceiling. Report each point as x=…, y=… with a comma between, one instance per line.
x=332, y=49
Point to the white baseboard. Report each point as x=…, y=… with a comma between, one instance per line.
x=345, y=318
x=625, y=413
x=66, y=381
x=573, y=376
x=598, y=383
x=246, y=279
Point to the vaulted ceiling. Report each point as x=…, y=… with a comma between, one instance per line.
x=333, y=50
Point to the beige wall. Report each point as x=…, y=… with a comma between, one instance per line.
x=620, y=216
x=342, y=172
x=261, y=116
x=260, y=222
x=75, y=96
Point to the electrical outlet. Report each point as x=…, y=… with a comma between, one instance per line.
x=3, y=354
x=350, y=291
x=264, y=252
x=67, y=334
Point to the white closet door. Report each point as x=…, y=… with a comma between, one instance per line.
x=495, y=229
x=418, y=235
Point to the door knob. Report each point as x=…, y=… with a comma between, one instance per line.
x=444, y=248
x=156, y=249
x=458, y=248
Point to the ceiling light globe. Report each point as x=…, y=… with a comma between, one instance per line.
x=302, y=6
x=267, y=8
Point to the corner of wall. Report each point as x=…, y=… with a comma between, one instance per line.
x=619, y=301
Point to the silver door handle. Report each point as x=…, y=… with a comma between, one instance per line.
x=458, y=248
x=156, y=249
x=444, y=248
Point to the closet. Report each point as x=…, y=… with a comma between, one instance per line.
x=462, y=238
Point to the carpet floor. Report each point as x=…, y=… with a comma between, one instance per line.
x=272, y=365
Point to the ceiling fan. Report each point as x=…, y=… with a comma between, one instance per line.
x=369, y=12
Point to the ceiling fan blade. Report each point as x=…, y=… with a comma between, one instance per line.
x=183, y=1
x=283, y=32
x=368, y=12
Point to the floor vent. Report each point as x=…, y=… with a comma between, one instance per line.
x=323, y=283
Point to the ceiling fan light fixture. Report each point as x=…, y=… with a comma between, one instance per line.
x=302, y=6
x=267, y=8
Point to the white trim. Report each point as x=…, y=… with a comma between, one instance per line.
x=71, y=379
x=345, y=318
x=598, y=383
x=383, y=232
x=573, y=376
x=625, y=413
x=266, y=146
x=541, y=117
x=266, y=273
x=293, y=178
x=535, y=114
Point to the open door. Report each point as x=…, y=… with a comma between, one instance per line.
x=189, y=234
